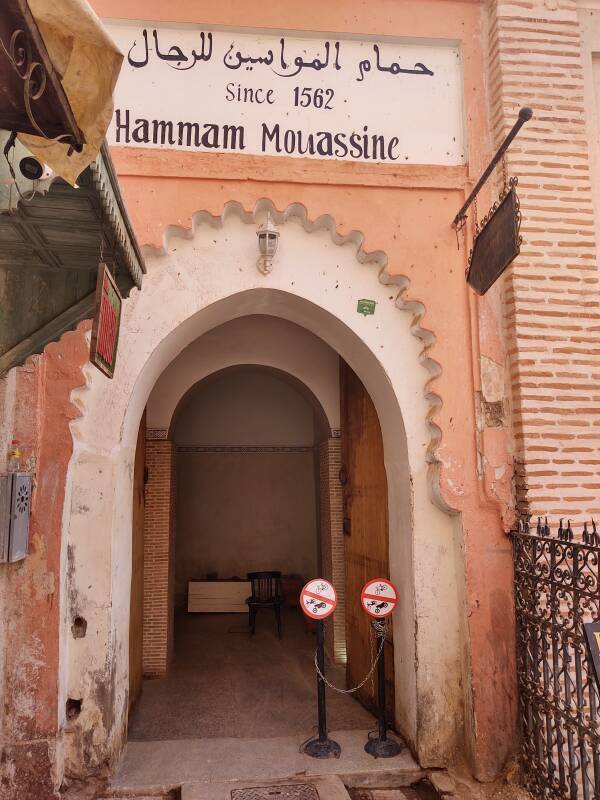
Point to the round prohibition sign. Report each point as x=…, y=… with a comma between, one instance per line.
x=318, y=599
x=379, y=598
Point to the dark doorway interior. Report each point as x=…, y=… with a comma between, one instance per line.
x=249, y=477
x=247, y=496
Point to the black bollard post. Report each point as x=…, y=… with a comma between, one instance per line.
x=323, y=746
x=381, y=747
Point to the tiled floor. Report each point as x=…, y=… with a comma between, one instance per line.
x=224, y=683
x=235, y=707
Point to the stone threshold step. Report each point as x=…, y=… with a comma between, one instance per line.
x=150, y=765
x=325, y=785
x=157, y=792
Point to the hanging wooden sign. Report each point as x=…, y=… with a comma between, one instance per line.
x=497, y=241
x=107, y=321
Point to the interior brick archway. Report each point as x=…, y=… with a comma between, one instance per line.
x=160, y=516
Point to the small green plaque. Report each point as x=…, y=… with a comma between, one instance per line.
x=366, y=307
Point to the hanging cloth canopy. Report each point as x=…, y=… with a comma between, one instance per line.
x=88, y=63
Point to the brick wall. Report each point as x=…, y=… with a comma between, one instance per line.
x=332, y=541
x=159, y=539
x=551, y=292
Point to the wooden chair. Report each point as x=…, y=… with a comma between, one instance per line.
x=266, y=593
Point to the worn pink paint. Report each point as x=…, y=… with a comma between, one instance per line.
x=42, y=416
x=406, y=213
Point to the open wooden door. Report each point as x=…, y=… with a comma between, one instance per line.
x=365, y=498
x=136, y=606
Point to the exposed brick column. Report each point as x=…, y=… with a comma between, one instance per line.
x=332, y=540
x=159, y=539
x=551, y=293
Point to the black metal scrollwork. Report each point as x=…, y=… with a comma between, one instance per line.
x=31, y=72
x=556, y=591
x=34, y=98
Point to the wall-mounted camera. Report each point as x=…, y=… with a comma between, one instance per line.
x=34, y=170
x=22, y=175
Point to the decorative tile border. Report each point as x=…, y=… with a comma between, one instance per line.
x=156, y=433
x=244, y=449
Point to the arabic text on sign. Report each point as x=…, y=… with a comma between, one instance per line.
x=234, y=59
x=288, y=94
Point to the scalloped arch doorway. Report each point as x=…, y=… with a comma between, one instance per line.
x=203, y=279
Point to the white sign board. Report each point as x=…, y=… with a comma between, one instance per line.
x=299, y=95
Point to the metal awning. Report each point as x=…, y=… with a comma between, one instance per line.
x=32, y=97
x=52, y=238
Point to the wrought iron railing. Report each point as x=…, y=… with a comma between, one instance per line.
x=556, y=591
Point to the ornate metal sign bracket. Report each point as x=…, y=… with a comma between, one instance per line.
x=497, y=239
x=525, y=114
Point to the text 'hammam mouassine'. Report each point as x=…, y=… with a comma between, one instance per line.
x=273, y=138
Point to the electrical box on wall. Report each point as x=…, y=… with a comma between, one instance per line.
x=15, y=509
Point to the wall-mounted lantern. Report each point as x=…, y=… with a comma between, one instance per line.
x=268, y=238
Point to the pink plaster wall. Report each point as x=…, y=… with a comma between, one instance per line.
x=42, y=414
x=404, y=211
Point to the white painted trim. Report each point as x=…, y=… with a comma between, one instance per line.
x=258, y=342
x=199, y=280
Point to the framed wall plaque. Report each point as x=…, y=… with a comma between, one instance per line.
x=107, y=321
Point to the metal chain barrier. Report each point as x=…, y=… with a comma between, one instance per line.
x=379, y=627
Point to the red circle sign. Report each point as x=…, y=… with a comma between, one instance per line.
x=379, y=597
x=318, y=599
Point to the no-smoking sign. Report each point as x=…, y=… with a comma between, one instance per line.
x=379, y=597
x=318, y=599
